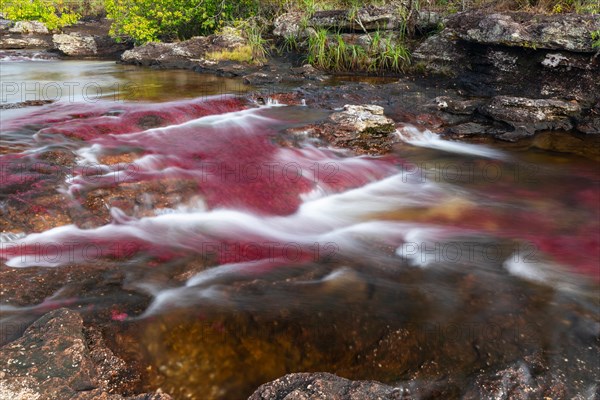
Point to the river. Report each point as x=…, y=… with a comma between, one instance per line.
x=166, y=207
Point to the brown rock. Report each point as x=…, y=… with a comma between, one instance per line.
x=57, y=359
x=324, y=386
x=362, y=128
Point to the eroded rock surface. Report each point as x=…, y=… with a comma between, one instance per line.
x=318, y=386
x=570, y=32
x=56, y=359
x=29, y=27
x=75, y=44
x=19, y=42
x=517, y=54
x=530, y=115
x=362, y=128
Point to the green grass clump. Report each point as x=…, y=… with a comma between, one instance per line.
x=332, y=53
x=238, y=54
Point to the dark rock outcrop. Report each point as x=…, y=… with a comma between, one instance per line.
x=184, y=54
x=530, y=115
x=517, y=54
x=537, y=72
x=570, y=32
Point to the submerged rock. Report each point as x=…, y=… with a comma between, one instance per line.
x=261, y=78
x=519, y=381
x=56, y=359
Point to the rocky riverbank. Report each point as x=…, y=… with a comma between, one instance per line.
x=505, y=76
x=82, y=40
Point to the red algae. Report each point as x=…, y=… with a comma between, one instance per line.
x=221, y=151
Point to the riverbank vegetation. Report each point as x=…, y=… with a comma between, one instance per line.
x=146, y=20
x=171, y=20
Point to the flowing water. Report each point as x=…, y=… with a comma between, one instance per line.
x=164, y=207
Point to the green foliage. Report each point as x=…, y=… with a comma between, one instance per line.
x=332, y=53
x=596, y=39
x=540, y=6
x=253, y=30
x=289, y=44
x=152, y=20
x=54, y=14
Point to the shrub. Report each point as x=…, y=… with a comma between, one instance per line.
x=153, y=20
x=54, y=14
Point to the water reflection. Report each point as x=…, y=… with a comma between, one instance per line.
x=91, y=81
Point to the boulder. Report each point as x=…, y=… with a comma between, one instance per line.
x=167, y=54
x=75, y=44
x=318, y=386
x=86, y=45
x=289, y=25
x=361, y=128
x=36, y=27
x=370, y=18
x=363, y=119
x=440, y=53
x=5, y=24
x=428, y=21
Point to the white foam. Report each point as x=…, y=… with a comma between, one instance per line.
x=426, y=138
x=186, y=228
